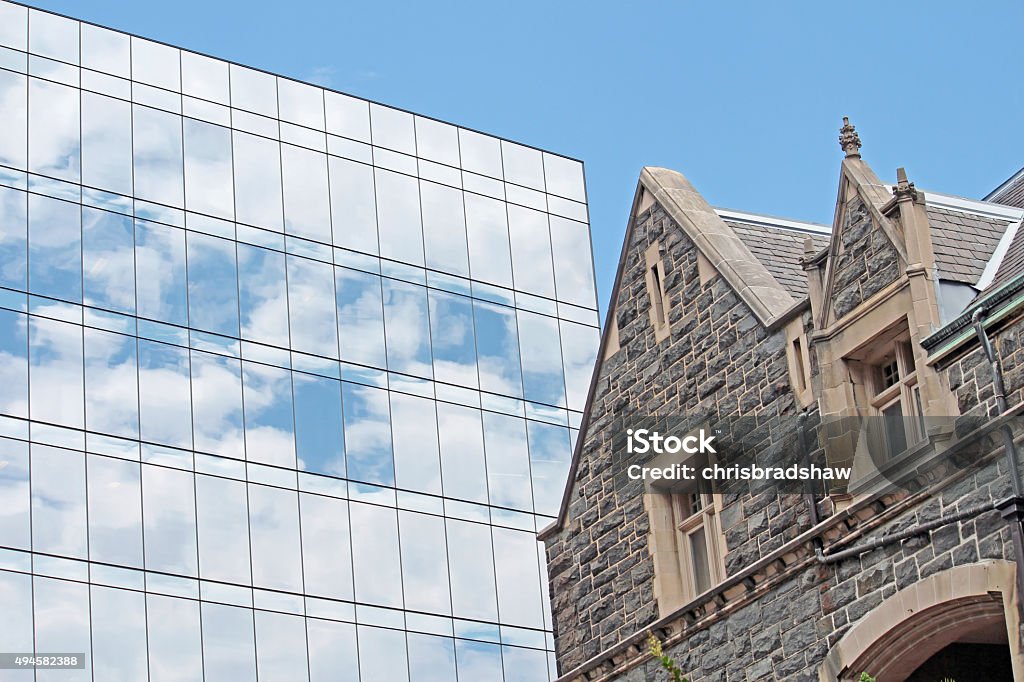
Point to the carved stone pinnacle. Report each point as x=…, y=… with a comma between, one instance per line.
x=903, y=188
x=849, y=140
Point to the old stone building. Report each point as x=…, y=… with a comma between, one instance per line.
x=717, y=314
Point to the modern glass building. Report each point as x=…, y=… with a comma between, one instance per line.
x=289, y=378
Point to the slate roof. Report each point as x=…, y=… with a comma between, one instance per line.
x=964, y=241
x=779, y=248
x=1011, y=192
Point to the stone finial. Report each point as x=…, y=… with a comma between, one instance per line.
x=903, y=189
x=849, y=140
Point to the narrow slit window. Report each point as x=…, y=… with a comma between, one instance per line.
x=657, y=299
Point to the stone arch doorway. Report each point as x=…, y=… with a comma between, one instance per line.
x=965, y=605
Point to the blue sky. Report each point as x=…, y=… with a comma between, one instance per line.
x=745, y=98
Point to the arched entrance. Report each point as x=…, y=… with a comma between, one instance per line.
x=967, y=606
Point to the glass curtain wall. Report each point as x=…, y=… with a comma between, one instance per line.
x=290, y=379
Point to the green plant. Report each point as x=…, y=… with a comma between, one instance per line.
x=864, y=677
x=675, y=673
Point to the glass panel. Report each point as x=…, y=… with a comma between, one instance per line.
x=392, y=129
x=54, y=145
x=258, y=181
x=531, y=251
x=301, y=103
x=368, y=434
x=62, y=624
x=497, y=346
x=157, y=154
x=175, y=645
x=347, y=116
x=407, y=323
x=471, y=566
x=106, y=50
x=118, y=634
x=326, y=552
x=106, y=143
x=508, y=461
x=55, y=37
x=115, y=511
x=108, y=260
x=212, y=284
x=487, y=225
x=480, y=153
x=269, y=421
x=14, y=133
x=15, y=502
x=579, y=351
x=14, y=29
x=204, y=77
x=699, y=555
x=14, y=363
x=332, y=651
x=895, y=428
x=160, y=253
x=313, y=326
x=54, y=248
x=444, y=229
x=55, y=372
x=13, y=238
x=414, y=427
x=352, y=207
x=574, y=270
x=564, y=177
x=542, y=359
x=253, y=91
x=382, y=655
x=58, y=502
x=229, y=647
x=522, y=165
x=376, y=561
x=280, y=647
x=515, y=563
x=274, y=529
x=319, y=443
x=550, y=453
x=398, y=217
x=223, y=530
x=16, y=605
x=432, y=659
x=111, y=383
x=217, y=405
x=437, y=141
x=307, y=210
x=156, y=64
x=424, y=563
x=208, y=187
x=169, y=518
x=263, y=295
x=453, y=339
x=360, y=317
x=165, y=397
x=478, y=661
x=462, y=452
x=524, y=665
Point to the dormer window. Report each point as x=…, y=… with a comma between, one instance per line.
x=897, y=398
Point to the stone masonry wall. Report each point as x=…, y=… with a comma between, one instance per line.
x=718, y=361
x=868, y=260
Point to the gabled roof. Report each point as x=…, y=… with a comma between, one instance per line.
x=779, y=244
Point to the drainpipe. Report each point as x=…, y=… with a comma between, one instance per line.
x=1011, y=508
x=812, y=502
